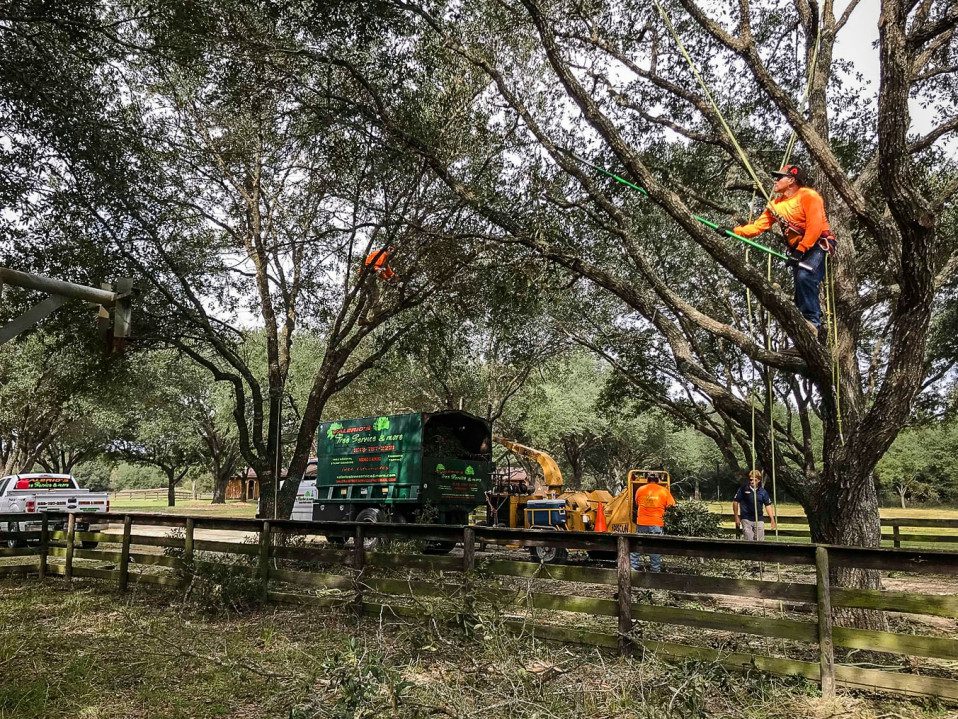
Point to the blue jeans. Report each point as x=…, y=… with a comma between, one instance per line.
x=654, y=559
x=808, y=278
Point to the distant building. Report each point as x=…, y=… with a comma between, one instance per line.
x=248, y=480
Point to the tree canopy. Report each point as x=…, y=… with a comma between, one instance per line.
x=241, y=161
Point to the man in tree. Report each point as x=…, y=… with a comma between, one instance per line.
x=651, y=501
x=800, y=212
x=749, y=505
x=378, y=262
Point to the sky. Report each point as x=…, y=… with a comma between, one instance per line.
x=856, y=42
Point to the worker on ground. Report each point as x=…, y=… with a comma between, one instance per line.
x=651, y=501
x=800, y=212
x=748, y=508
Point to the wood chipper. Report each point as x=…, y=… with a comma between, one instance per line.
x=544, y=505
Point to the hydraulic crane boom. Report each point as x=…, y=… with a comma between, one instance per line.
x=550, y=469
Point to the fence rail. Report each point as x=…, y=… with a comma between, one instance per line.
x=580, y=604
x=796, y=525
x=156, y=493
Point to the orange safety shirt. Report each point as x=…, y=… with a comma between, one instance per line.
x=652, y=500
x=805, y=214
x=379, y=259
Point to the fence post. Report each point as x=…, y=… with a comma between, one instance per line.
x=44, y=545
x=624, y=571
x=125, y=553
x=896, y=535
x=188, y=540
x=359, y=548
x=826, y=648
x=71, y=540
x=468, y=565
x=359, y=562
x=264, y=542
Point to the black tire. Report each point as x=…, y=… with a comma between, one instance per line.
x=12, y=542
x=548, y=555
x=372, y=515
x=88, y=544
x=336, y=540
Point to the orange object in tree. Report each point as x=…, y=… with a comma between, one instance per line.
x=379, y=261
x=652, y=500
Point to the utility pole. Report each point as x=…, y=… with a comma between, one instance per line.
x=59, y=292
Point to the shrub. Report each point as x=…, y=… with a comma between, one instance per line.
x=692, y=518
x=224, y=585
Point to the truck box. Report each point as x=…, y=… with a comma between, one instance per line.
x=402, y=464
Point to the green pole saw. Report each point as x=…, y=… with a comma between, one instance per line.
x=708, y=223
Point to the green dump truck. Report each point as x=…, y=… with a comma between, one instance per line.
x=430, y=467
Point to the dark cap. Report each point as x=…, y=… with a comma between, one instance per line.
x=793, y=171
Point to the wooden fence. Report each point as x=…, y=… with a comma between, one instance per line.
x=156, y=493
x=611, y=606
x=896, y=531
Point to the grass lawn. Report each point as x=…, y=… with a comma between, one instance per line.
x=87, y=652
x=794, y=518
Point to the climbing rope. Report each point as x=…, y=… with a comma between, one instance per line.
x=831, y=325
x=829, y=273
x=708, y=94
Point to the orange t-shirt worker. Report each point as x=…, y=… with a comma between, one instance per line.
x=652, y=500
x=378, y=260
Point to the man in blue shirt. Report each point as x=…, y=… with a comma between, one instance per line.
x=749, y=505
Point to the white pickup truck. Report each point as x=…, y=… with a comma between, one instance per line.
x=35, y=493
x=303, y=507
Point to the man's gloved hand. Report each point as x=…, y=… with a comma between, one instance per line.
x=793, y=257
x=722, y=230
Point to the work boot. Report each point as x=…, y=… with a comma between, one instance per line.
x=813, y=328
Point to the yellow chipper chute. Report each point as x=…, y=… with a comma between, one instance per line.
x=621, y=510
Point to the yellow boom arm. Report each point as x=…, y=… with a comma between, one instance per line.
x=550, y=470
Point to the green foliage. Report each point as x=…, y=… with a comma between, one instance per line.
x=691, y=518
x=364, y=684
x=222, y=586
x=922, y=465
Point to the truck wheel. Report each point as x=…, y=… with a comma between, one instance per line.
x=548, y=555
x=336, y=540
x=372, y=515
x=88, y=544
x=12, y=542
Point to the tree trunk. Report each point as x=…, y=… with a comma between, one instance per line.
x=901, y=496
x=266, y=496
x=844, y=510
x=170, y=489
x=219, y=489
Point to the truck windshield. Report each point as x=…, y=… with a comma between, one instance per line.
x=44, y=483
